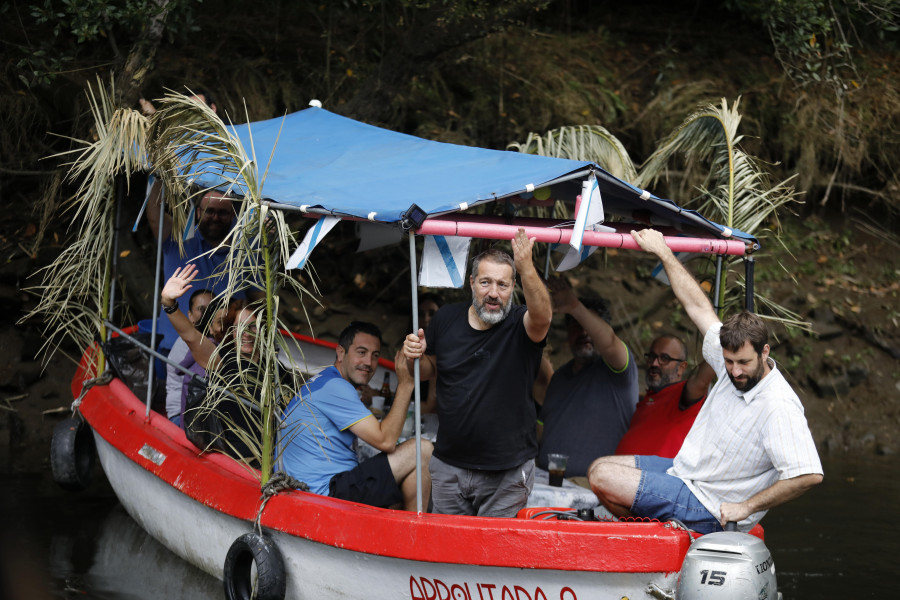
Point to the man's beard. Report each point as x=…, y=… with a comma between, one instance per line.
x=488, y=316
x=752, y=379
x=583, y=348
x=664, y=379
x=584, y=352
x=212, y=233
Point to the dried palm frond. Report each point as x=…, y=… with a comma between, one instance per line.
x=736, y=190
x=191, y=143
x=582, y=142
x=75, y=288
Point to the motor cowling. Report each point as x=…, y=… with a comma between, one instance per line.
x=727, y=566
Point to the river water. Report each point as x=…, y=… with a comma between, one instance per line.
x=840, y=540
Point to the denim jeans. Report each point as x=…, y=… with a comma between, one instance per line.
x=664, y=497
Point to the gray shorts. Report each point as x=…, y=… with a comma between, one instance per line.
x=456, y=491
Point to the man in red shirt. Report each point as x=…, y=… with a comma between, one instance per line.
x=665, y=414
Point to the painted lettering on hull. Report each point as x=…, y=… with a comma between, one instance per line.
x=423, y=588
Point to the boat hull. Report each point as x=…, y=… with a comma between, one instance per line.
x=198, y=504
x=202, y=535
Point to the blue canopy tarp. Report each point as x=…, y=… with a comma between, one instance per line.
x=333, y=164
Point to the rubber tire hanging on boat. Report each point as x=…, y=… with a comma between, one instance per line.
x=248, y=549
x=72, y=454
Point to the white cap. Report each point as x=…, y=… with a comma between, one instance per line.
x=315, y=103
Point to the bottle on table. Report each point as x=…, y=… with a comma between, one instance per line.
x=386, y=389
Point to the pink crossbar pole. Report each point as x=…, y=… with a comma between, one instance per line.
x=556, y=235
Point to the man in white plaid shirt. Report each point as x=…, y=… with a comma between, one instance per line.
x=750, y=448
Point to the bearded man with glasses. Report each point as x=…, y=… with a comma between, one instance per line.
x=202, y=247
x=665, y=414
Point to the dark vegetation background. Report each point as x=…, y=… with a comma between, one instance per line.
x=820, y=97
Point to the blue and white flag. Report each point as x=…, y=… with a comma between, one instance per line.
x=313, y=237
x=589, y=211
x=189, y=229
x=444, y=261
x=574, y=257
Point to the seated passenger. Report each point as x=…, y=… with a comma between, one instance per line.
x=321, y=425
x=590, y=399
x=237, y=364
x=197, y=305
x=750, y=448
x=665, y=414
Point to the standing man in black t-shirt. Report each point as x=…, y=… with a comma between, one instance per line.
x=486, y=355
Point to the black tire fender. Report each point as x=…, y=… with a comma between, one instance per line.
x=72, y=454
x=247, y=550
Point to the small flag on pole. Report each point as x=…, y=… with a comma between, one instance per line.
x=313, y=237
x=589, y=215
x=574, y=257
x=444, y=261
x=589, y=211
x=189, y=227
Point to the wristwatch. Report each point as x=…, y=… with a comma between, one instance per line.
x=170, y=309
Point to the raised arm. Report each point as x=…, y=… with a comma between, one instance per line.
x=384, y=434
x=177, y=285
x=686, y=288
x=778, y=493
x=606, y=343
x=540, y=310
x=697, y=384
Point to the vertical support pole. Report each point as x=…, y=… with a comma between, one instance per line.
x=716, y=305
x=749, y=267
x=549, y=249
x=268, y=395
x=159, y=244
x=416, y=377
x=120, y=195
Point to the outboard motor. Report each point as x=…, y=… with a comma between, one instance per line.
x=727, y=565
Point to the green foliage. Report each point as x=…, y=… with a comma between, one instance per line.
x=57, y=32
x=814, y=39
x=186, y=134
x=735, y=189
x=74, y=292
x=582, y=142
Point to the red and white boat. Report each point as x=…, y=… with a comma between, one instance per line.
x=197, y=505
x=202, y=506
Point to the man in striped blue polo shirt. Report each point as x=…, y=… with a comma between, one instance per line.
x=750, y=448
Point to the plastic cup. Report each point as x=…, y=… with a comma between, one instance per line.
x=556, y=465
x=378, y=402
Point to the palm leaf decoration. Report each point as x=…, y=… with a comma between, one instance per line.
x=735, y=188
x=582, y=142
x=579, y=142
x=187, y=136
x=75, y=288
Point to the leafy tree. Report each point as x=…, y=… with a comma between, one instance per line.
x=734, y=187
x=57, y=35
x=814, y=39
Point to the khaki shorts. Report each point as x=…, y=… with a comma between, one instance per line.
x=457, y=491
